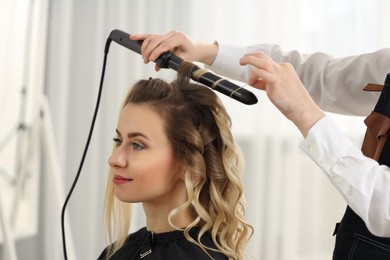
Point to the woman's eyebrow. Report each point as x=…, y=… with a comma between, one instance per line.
x=133, y=134
x=137, y=134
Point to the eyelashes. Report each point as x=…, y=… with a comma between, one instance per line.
x=134, y=145
x=117, y=141
x=137, y=146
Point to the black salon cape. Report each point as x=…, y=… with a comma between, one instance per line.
x=164, y=246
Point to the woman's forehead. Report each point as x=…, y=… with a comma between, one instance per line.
x=142, y=118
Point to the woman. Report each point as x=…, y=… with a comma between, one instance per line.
x=175, y=154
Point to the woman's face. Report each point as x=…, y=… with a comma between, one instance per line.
x=145, y=168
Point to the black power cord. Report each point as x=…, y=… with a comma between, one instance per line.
x=108, y=42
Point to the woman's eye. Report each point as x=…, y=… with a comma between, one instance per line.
x=137, y=146
x=117, y=141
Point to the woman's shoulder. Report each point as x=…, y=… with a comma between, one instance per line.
x=129, y=248
x=169, y=245
x=174, y=245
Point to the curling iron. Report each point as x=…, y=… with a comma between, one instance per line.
x=206, y=77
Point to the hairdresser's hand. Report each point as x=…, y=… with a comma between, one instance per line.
x=179, y=43
x=284, y=89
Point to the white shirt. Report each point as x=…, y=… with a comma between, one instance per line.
x=336, y=86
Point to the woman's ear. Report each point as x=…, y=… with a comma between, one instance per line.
x=181, y=172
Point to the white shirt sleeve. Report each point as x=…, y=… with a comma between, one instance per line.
x=334, y=84
x=364, y=184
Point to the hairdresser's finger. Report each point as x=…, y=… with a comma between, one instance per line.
x=259, y=78
x=179, y=44
x=260, y=68
x=139, y=36
x=259, y=83
x=154, y=45
x=259, y=60
x=149, y=43
x=142, y=37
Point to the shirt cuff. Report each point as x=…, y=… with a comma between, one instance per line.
x=227, y=62
x=326, y=144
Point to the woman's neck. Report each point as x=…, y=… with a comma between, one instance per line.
x=157, y=221
x=157, y=214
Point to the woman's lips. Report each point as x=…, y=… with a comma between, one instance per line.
x=120, y=180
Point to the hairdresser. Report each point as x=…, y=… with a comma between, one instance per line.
x=302, y=87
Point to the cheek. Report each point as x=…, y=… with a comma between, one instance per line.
x=157, y=170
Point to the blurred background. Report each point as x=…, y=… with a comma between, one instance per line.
x=51, y=59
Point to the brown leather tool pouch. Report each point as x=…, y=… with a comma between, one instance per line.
x=378, y=126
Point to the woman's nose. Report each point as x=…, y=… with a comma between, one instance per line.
x=117, y=158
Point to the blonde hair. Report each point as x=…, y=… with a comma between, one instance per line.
x=199, y=129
